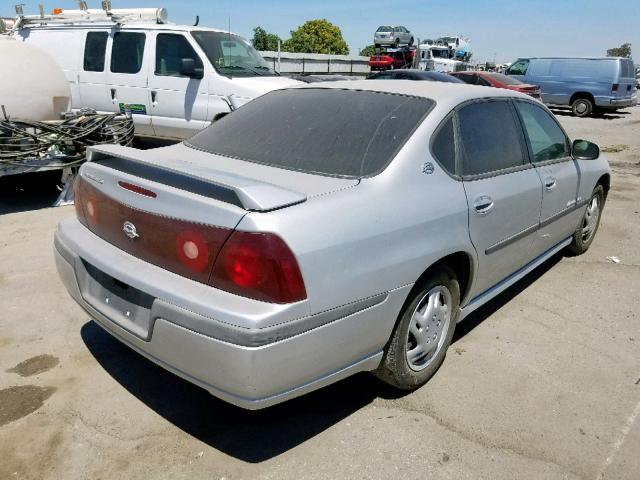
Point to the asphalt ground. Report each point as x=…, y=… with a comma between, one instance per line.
x=541, y=383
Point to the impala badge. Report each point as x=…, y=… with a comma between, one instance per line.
x=130, y=230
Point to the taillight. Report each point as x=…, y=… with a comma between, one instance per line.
x=255, y=265
x=85, y=202
x=614, y=88
x=77, y=199
x=259, y=266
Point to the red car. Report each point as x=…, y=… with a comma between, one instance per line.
x=498, y=80
x=391, y=60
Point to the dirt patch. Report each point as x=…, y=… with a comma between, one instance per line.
x=18, y=402
x=615, y=148
x=35, y=365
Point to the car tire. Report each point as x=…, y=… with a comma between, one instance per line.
x=376, y=45
x=397, y=43
x=582, y=107
x=589, y=223
x=418, y=344
x=411, y=42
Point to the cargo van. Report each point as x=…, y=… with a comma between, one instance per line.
x=588, y=85
x=174, y=79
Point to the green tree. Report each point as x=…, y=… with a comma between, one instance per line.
x=264, y=41
x=368, y=51
x=317, y=36
x=623, y=50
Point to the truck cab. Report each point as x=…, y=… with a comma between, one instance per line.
x=173, y=79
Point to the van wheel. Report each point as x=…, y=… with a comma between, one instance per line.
x=423, y=332
x=582, y=107
x=588, y=226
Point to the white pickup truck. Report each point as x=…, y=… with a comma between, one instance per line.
x=174, y=79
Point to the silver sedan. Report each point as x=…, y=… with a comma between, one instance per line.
x=325, y=230
x=393, y=35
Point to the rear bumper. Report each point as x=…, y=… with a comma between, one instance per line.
x=625, y=102
x=250, y=367
x=608, y=102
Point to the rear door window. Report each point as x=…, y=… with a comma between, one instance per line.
x=95, y=48
x=127, y=52
x=170, y=50
x=490, y=138
x=443, y=146
x=328, y=131
x=546, y=139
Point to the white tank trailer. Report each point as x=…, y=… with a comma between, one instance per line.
x=32, y=85
x=38, y=131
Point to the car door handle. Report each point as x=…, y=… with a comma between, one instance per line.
x=550, y=183
x=113, y=94
x=154, y=97
x=483, y=204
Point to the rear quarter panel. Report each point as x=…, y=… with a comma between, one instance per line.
x=377, y=236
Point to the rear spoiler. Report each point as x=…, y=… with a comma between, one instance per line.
x=246, y=193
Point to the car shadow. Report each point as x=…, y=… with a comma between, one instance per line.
x=28, y=191
x=255, y=436
x=485, y=311
x=616, y=115
x=251, y=436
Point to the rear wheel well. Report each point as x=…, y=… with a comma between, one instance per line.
x=578, y=95
x=460, y=263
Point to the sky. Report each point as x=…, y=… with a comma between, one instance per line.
x=498, y=29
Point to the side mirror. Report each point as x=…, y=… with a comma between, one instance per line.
x=188, y=68
x=584, y=150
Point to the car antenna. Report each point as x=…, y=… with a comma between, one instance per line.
x=197, y=21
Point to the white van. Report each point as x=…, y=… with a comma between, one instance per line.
x=174, y=79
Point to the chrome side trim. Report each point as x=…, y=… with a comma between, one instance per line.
x=508, y=241
x=564, y=212
x=512, y=239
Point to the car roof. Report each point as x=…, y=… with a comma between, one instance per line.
x=446, y=94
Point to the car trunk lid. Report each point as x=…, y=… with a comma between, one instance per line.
x=175, y=212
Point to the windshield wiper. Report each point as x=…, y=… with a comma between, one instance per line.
x=248, y=69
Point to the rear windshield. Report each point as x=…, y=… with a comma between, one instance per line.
x=504, y=79
x=347, y=133
x=384, y=29
x=626, y=69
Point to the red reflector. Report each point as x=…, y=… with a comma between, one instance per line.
x=137, y=189
x=260, y=266
x=614, y=88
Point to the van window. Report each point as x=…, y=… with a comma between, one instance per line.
x=490, y=138
x=518, y=68
x=443, y=147
x=95, y=49
x=546, y=138
x=170, y=50
x=127, y=52
x=326, y=131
